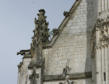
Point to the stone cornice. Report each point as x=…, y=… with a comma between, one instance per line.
x=72, y=76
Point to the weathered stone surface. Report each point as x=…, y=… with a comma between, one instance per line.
x=73, y=44
x=78, y=51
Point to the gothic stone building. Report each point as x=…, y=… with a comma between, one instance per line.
x=77, y=53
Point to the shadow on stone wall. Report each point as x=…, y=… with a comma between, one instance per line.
x=91, y=21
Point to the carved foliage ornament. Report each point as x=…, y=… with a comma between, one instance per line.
x=103, y=27
x=104, y=36
x=99, y=23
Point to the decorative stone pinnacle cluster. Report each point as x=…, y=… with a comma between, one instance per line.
x=41, y=31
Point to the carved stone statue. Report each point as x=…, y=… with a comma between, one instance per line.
x=66, y=73
x=41, y=17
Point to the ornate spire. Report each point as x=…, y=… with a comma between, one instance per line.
x=40, y=38
x=41, y=32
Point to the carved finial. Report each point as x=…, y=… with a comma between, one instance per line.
x=41, y=15
x=55, y=32
x=39, y=40
x=66, y=13
x=35, y=20
x=41, y=32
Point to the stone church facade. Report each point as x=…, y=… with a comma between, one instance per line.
x=78, y=52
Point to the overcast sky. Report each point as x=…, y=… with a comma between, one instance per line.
x=16, y=26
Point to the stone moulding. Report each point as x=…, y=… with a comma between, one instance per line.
x=75, y=76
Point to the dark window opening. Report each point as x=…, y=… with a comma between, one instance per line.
x=104, y=76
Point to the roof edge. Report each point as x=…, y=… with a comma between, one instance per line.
x=64, y=22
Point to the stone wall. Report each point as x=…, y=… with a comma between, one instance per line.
x=23, y=75
x=72, y=47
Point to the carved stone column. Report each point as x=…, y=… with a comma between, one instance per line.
x=106, y=62
x=98, y=65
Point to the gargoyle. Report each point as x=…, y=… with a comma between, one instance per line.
x=22, y=52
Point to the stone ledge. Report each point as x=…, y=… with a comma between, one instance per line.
x=72, y=76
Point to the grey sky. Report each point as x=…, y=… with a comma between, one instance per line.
x=16, y=26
